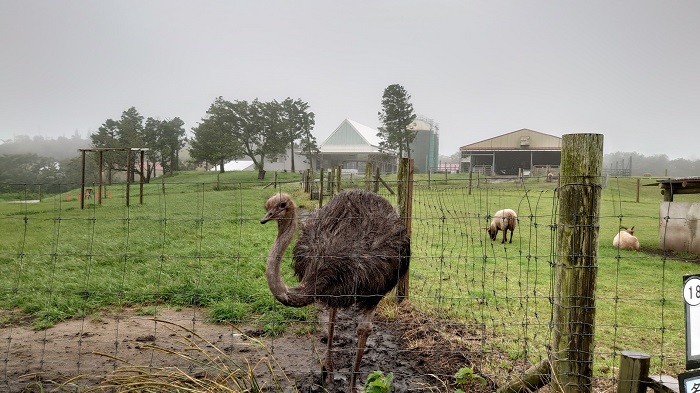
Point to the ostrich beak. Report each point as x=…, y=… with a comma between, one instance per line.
x=267, y=217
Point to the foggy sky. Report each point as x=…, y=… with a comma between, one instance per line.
x=627, y=69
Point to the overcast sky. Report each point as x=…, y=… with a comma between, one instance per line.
x=627, y=69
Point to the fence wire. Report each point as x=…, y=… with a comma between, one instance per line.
x=104, y=278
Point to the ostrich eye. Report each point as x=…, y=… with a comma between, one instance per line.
x=283, y=205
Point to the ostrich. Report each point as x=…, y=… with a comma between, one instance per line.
x=350, y=252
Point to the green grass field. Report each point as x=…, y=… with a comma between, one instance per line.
x=197, y=240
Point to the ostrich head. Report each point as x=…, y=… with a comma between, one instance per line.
x=279, y=207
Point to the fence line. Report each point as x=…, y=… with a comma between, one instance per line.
x=191, y=245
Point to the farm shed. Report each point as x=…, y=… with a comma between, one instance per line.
x=507, y=154
x=351, y=146
x=678, y=221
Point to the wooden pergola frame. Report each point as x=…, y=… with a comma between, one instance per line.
x=100, y=150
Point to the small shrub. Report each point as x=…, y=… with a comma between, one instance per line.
x=466, y=376
x=377, y=382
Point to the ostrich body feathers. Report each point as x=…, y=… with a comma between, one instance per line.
x=351, y=251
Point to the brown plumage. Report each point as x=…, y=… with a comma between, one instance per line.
x=350, y=252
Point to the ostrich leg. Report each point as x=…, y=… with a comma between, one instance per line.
x=327, y=369
x=364, y=328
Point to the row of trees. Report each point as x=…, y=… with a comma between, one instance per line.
x=269, y=130
x=32, y=174
x=230, y=130
x=257, y=130
x=163, y=140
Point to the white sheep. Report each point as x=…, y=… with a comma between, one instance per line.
x=503, y=220
x=626, y=240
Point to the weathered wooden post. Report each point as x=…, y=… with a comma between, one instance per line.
x=128, y=175
x=368, y=176
x=376, y=182
x=634, y=372
x=470, y=180
x=82, y=180
x=142, y=180
x=320, y=188
x=101, y=189
x=338, y=178
x=576, y=267
x=405, y=202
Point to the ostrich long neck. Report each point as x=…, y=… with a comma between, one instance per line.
x=289, y=297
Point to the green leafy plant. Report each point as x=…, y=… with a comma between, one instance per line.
x=466, y=376
x=377, y=382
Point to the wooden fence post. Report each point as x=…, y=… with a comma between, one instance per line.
x=368, y=176
x=338, y=179
x=405, y=202
x=576, y=264
x=100, y=190
x=82, y=180
x=320, y=188
x=376, y=182
x=128, y=175
x=634, y=371
x=470, y=180
x=142, y=175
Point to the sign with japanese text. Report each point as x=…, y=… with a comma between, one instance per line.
x=689, y=382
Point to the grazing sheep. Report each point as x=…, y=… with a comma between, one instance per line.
x=503, y=220
x=626, y=240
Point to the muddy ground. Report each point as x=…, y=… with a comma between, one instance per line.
x=422, y=353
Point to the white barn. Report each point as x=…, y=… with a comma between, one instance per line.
x=351, y=146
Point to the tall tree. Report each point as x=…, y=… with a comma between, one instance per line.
x=151, y=136
x=127, y=132
x=299, y=122
x=131, y=135
x=164, y=139
x=262, y=132
x=106, y=137
x=258, y=130
x=396, y=117
x=214, y=140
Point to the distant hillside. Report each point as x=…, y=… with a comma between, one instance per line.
x=59, y=149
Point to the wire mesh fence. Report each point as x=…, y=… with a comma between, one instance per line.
x=82, y=290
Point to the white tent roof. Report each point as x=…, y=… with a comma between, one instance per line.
x=235, y=166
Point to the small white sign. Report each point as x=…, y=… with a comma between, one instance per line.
x=691, y=295
x=691, y=292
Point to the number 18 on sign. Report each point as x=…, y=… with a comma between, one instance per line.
x=691, y=295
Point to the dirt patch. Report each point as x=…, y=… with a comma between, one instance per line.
x=421, y=353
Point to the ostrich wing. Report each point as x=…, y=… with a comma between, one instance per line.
x=353, y=250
